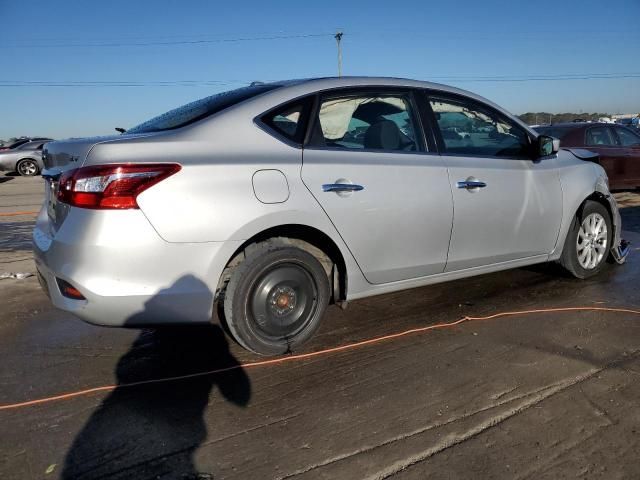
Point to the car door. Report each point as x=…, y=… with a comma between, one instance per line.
x=630, y=142
x=367, y=165
x=602, y=140
x=506, y=205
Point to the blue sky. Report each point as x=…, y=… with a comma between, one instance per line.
x=455, y=42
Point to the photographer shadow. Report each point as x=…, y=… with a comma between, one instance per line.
x=152, y=430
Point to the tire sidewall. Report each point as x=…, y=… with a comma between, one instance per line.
x=572, y=248
x=237, y=314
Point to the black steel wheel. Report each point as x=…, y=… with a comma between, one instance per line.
x=276, y=298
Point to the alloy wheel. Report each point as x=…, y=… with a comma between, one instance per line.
x=27, y=168
x=592, y=240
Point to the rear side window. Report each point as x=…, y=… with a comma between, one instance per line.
x=469, y=129
x=600, y=136
x=372, y=122
x=194, y=111
x=627, y=137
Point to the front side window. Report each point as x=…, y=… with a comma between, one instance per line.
x=372, y=122
x=600, y=137
x=628, y=138
x=467, y=129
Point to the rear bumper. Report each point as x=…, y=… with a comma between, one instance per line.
x=128, y=275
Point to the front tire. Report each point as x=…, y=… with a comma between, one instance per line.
x=588, y=241
x=276, y=298
x=27, y=167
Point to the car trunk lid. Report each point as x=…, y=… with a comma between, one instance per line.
x=60, y=157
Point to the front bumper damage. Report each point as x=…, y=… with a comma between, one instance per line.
x=620, y=247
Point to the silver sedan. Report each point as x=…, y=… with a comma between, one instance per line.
x=274, y=200
x=26, y=159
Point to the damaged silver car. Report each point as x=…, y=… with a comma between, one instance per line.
x=275, y=200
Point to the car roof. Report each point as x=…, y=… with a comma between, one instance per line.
x=321, y=83
x=304, y=86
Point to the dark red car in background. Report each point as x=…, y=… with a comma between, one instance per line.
x=617, y=146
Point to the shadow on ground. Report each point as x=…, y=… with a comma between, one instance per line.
x=153, y=430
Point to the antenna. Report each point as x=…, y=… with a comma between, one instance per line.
x=338, y=37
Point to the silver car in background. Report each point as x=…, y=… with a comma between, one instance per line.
x=26, y=159
x=274, y=200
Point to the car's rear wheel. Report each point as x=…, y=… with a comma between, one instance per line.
x=27, y=167
x=588, y=241
x=275, y=298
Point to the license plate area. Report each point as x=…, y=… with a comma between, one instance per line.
x=52, y=199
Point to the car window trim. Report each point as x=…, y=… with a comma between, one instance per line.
x=351, y=91
x=428, y=120
x=443, y=95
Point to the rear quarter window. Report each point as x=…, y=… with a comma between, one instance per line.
x=289, y=121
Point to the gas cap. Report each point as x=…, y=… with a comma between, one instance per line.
x=270, y=186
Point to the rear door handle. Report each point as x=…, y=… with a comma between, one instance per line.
x=470, y=184
x=341, y=187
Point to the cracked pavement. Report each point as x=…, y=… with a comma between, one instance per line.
x=552, y=395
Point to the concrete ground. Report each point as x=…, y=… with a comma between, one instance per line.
x=545, y=395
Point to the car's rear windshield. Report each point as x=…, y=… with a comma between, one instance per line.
x=556, y=132
x=194, y=111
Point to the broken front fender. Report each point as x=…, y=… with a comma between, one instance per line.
x=619, y=247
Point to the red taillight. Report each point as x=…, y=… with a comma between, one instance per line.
x=111, y=186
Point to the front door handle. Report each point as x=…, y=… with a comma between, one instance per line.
x=341, y=187
x=471, y=184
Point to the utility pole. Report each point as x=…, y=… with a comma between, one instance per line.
x=338, y=37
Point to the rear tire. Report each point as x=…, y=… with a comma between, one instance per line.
x=588, y=241
x=27, y=167
x=276, y=298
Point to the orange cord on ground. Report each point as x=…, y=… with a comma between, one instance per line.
x=14, y=214
x=291, y=358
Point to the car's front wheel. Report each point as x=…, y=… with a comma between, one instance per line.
x=27, y=167
x=275, y=298
x=588, y=241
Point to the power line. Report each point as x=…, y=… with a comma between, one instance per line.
x=211, y=38
x=173, y=42
x=205, y=82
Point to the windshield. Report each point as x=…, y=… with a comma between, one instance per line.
x=556, y=132
x=194, y=111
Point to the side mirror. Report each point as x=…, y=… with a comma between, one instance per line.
x=547, y=145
